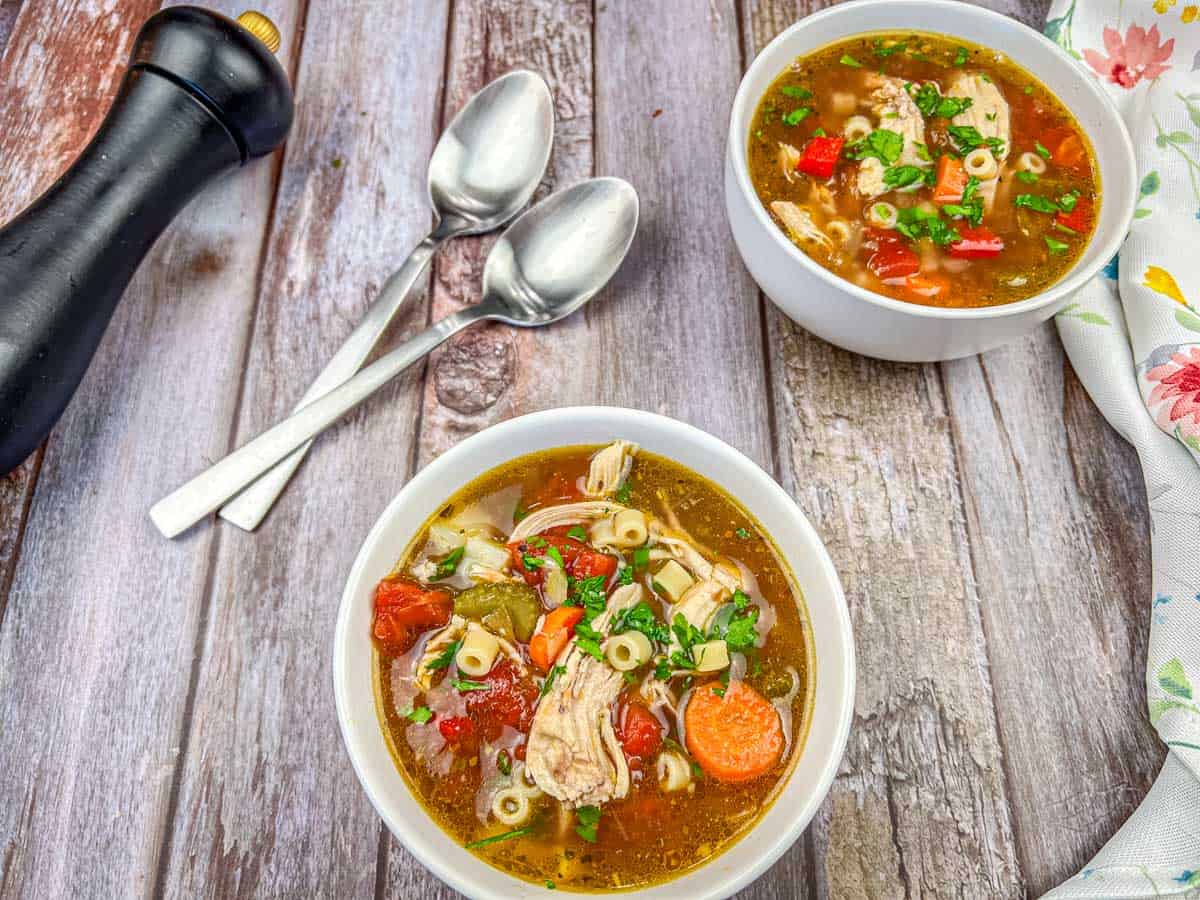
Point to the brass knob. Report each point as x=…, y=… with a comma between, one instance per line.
x=261, y=27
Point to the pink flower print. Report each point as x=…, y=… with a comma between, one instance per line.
x=1176, y=393
x=1138, y=56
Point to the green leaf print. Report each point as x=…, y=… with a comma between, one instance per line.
x=1150, y=184
x=1187, y=319
x=1072, y=311
x=1173, y=680
x=1159, y=707
x=1141, y=212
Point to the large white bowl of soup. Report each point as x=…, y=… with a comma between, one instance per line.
x=594, y=649
x=918, y=196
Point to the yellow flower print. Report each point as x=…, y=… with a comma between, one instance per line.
x=1160, y=280
x=1189, y=14
x=1161, y=6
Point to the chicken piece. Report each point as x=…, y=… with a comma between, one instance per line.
x=988, y=112
x=870, y=179
x=822, y=196
x=789, y=158
x=685, y=553
x=698, y=605
x=609, y=468
x=896, y=111
x=435, y=647
x=563, y=514
x=426, y=570
x=800, y=225
x=573, y=753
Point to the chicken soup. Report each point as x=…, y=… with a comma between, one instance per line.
x=925, y=168
x=593, y=668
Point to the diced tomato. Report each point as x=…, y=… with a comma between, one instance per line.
x=951, y=180
x=1066, y=148
x=1078, y=219
x=979, y=242
x=403, y=609
x=892, y=260
x=456, y=729
x=640, y=733
x=558, y=626
x=820, y=156
x=509, y=700
x=591, y=563
x=927, y=286
x=581, y=561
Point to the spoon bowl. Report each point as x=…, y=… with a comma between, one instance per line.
x=491, y=157
x=560, y=253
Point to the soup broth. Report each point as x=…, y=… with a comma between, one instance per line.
x=652, y=684
x=925, y=168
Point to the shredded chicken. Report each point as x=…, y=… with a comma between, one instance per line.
x=988, y=112
x=800, y=225
x=479, y=573
x=870, y=179
x=685, y=552
x=897, y=111
x=573, y=753
x=425, y=570
x=698, y=605
x=436, y=646
x=563, y=514
x=789, y=158
x=609, y=468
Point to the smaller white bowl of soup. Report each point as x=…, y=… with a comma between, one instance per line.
x=917, y=196
x=594, y=650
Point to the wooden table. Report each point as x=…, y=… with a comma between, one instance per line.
x=166, y=713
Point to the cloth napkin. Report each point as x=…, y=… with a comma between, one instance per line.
x=1133, y=336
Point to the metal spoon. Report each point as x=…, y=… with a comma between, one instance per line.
x=483, y=170
x=550, y=262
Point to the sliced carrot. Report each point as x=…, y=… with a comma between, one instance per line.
x=927, y=286
x=951, y=180
x=557, y=628
x=1066, y=148
x=734, y=738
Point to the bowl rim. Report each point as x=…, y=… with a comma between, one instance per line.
x=1056, y=292
x=845, y=677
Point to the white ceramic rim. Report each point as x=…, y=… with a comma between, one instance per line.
x=926, y=11
x=774, y=846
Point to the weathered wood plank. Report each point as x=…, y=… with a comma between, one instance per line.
x=268, y=805
x=8, y=16
x=1056, y=514
x=101, y=626
x=919, y=808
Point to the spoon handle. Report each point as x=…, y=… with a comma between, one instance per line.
x=252, y=505
x=190, y=503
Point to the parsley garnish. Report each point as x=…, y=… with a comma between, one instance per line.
x=796, y=116
x=466, y=685
x=549, y=885
x=915, y=223
x=519, y=511
x=922, y=152
x=577, y=533
x=625, y=578
x=588, y=593
x=1027, y=176
x=662, y=669
x=641, y=557
x=532, y=562
x=743, y=533
x=449, y=565
x=967, y=137
x=903, y=176
x=819, y=132
x=640, y=617
x=504, y=762
x=623, y=493
x=554, y=672
x=589, y=818
x=588, y=640
x=443, y=659
x=790, y=90
x=1036, y=203
x=848, y=60
x=740, y=600
x=419, y=714
x=1067, y=201
x=552, y=552
x=932, y=104
x=960, y=57
x=885, y=51
x=970, y=207
x=1041, y=151
x=1056, y=246
x=496, y=838
x=881, y=144
x=1028, y=89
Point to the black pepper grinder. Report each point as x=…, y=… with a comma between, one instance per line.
x=202, y=95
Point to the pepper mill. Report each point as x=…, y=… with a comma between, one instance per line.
x=203, y=94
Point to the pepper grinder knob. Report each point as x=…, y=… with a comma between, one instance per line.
x=203, y=94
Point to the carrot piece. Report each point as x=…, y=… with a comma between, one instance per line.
x=951, y=180
x=1066, y=148
x=734, y=738
x=552, y=637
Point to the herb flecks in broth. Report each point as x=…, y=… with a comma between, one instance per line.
x=926, y=169
x=543, y=637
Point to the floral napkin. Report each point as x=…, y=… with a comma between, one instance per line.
x=1133, y=336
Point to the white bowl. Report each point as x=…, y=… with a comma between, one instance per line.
x=869, y=323
x=797, y=541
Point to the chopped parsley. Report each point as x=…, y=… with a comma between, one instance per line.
x=519, y=512
x=577, y=533
x=588, y=640
x=554, y=672
x=419, y=714
x=589, y=819
x=497, y=838
x=443, y=659
x=449, y=565
x=796, y=116
x=549, y=885
x=960, y=58
x=740, y=599
x=640, y=617
x=1028, y=177
x=697, y=772
x=932, y=104
x=734, y=624
x=466, y=685
x=588, y=593
x=662, y=668
x=504, y=762
x=743, y=533
x=991, y=117
x=1036, y=203
x=626, y=576
x=848, y=60
x=967, y=138
x=903, y=176
x=970, y=207
x=532, y=562
x=790, y=90
x=819, y=132
x=1067, y=201
x=641, y=557
x=1056, y=246
x=1041, y=151
x=915, y=223
x=552, y=552
x=623, y=493
x=882, y=144
x=688, y=636
x=885, y=50
x=922, y=152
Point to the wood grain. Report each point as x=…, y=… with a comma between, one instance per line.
x=103, y=615
x=268, y=805
x=8, y=16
